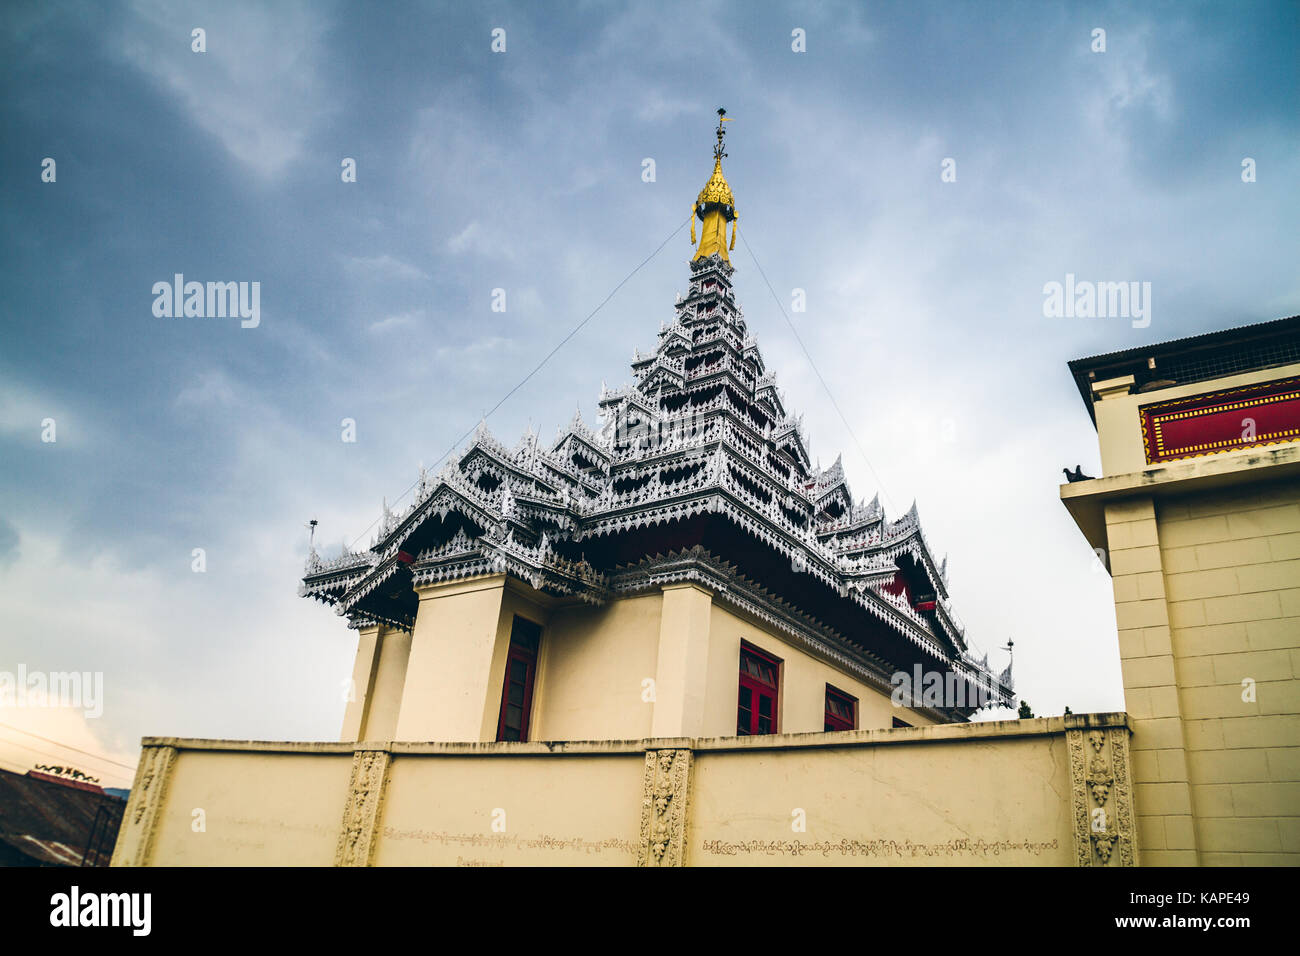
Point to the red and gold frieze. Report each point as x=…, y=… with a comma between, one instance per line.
x=1266, y=413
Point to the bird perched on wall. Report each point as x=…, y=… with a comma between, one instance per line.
x=1076, y=475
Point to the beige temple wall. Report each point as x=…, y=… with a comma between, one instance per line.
x=592, y=664
x=664, y=664
x=1052, y=791
x=458, y=652
x=377, y=681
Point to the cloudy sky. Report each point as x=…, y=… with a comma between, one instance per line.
x=522, y=170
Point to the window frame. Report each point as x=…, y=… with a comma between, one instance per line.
x=521, y=651
x=756, y=686
x=831, y=717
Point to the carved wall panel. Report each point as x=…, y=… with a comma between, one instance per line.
x=1102, y=797
x=362, y=811
x=664, y=807
x=144, y=806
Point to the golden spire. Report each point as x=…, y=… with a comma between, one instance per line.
x=715, y=206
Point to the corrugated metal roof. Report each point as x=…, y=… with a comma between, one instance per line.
x=48, y=852
x=47, y=820
x=1202, y=340
x=1194, y=358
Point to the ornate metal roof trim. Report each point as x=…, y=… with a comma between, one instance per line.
x=701, y=441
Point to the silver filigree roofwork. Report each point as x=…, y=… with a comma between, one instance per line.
x=701, y=432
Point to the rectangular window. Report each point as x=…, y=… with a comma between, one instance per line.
x=901, y=723
x=841, y=710
x=517, y=692
x=756, y=707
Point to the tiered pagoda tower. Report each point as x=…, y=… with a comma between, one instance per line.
x=697, y=474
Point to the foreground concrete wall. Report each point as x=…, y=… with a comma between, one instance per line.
x=933, y=802
x=580, y=809
x=1053, y=791
x=243, y=804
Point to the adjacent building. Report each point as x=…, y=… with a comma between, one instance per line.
x=54, y=819
x=1197, y=516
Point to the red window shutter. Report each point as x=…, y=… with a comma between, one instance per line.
x=841, y=710
x=517, y=689
x=757, y=696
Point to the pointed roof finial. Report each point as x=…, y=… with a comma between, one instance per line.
x=715, y=206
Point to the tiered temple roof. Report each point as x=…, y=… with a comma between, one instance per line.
x=696, y=472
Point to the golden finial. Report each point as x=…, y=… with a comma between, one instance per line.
x=715, y=204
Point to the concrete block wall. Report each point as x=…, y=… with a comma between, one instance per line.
x=1207, y=598
x=1161, y=783
x=1231, y=562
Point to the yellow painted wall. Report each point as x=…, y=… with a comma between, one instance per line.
x=259, y=808
x=593, y=662
x=1162, y=790
x=981, y=794
x=443, y=681
x=457, y=662
x=562, y=810
x=682, y=662
x=924, y=804
x=394, y=650
x=1207, y=595
x=363, y=681
x=1231, y=564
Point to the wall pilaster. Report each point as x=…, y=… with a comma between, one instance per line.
x=1101, y=794
x=681, y=675
x=363, y=683
x=664, y=807
x=144, y=807
x=1165, y=831
x=364, y=806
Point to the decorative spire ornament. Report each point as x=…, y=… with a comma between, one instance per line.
x=715, y=205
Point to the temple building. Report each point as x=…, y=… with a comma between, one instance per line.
x=670, y=639
x=680, y=570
